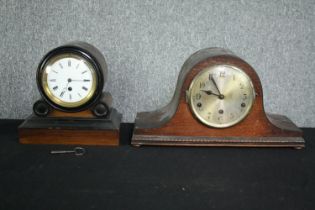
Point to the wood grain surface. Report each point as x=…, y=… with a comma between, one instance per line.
x=74, y=137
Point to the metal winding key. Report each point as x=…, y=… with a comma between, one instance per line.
x=78, y=151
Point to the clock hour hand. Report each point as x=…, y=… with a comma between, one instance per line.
x=209, y=92
x=65, y=88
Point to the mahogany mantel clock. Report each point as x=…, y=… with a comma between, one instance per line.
x=73, y=109
x=218, y=101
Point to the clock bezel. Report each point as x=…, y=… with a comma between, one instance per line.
x=200, y=118
x=86, y=55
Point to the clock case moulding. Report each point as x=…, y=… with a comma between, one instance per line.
x=175, y=125
x=97, y=123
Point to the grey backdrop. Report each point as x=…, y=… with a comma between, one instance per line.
x=146, y=42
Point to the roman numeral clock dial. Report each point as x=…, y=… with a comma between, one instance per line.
x=221, y=96
x=69, y=79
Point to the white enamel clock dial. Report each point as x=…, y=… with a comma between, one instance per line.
x=69, y=80
x=221, y=96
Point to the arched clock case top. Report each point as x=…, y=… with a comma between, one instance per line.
x=176, y=125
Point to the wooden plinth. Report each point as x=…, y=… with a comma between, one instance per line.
x=74, y=131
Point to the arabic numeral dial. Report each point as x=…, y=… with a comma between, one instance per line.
x=221, y=96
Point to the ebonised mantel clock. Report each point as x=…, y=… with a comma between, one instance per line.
x=73, y=109
x=218, y=101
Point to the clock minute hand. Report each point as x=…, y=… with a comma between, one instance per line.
x=80, y=80
x=215, y=84
x=221, y=96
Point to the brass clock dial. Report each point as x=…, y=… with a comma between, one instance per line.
x=221, y=96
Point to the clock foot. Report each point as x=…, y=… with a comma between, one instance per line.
x=136, y=145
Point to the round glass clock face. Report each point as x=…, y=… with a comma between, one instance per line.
x=69, y=80
x=221, y=96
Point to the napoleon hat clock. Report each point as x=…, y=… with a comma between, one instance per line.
x=218, y=101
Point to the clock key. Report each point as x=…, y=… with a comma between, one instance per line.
x=78, y=151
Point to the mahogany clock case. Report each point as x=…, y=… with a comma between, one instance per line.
x=94, y=123
x=175, y=125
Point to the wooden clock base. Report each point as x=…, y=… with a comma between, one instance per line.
x=288, y=135
x=75, y=131
x=295, y=142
